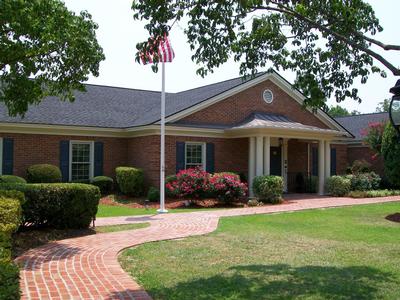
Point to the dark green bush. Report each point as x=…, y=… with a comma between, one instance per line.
x=58, y=205
x=360, y=166
x=104, y=183
x=9, y=281
x=153, y=195
x=11, y=179
x=10, y=218
x=169, y=179
x=130, y=180
x=338, y=186
x=268, y=188
x=43, y=173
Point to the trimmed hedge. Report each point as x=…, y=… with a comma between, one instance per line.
x=11, y=179
x=268, y=188
x=43, y=173
x=10, y=218
x=58, y=205
x=373, y=194
x=153, y=195
x=338, y=186
x=104, y=183
x=130, y=180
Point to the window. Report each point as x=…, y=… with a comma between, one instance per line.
x=81, y=157
x=195, y=155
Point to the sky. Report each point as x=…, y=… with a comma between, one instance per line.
x=118, y=34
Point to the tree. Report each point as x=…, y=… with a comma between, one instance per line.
x=328, y=44
x=383, y=106
x=338, y=111
x=390, y=151
x=45, y=50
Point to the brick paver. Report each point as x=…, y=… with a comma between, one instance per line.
x=87, y=267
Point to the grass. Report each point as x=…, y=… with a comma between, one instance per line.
x=339, y=253
x=116, y=211
x=32, y=238
x=114, y=228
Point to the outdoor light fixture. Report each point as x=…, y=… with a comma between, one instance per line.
x=394, y=108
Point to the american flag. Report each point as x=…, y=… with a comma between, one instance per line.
x=165, y=52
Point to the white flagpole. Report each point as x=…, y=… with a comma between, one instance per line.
x=162, y=141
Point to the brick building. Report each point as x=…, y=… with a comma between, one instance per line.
x=253, y=127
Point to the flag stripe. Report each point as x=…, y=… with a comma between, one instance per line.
x=165, y=52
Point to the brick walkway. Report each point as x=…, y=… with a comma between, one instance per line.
x=87, y=267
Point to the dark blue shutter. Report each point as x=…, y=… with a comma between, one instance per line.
x=333, y=161
x=8, y=156
x=64, y=160
x=210, y=157
x=314, y=160
x=180, y=156
x=98, y=158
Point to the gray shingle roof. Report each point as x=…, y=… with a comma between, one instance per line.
x=357, y=123
x=113, y=107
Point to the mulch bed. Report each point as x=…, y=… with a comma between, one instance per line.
x=394, y=217
x=121, y=200
x=171, y=203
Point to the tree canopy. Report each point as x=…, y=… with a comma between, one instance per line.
x=383, y=106
x=339, y=111
x=327, y=44
x=45, y=50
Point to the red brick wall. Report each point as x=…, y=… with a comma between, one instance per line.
x=341, y=158
x=364, y=152
x=230, y=154
x=32, y=149
x=297, y=156
x=237, y=107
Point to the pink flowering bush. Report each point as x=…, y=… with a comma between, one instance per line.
x=197, y=184
x=191, y=183
x=227, y=187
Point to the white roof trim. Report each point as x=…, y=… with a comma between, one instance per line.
x=276, y=79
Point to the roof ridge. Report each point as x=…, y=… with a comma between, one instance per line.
x=364, y=114
x=124, y=88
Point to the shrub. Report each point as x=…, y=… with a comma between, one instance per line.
x=9, y=281
x=338, y=186
x=365, y=182
x=130, y=180
x=43, y=173
x=59, y=205
x=10, y=217
x=168, y=180
x=253, y=202
x=373, y=194
x=11, y=179
x=192, y=183
x=153, y=195
x=268, y=188
x=104, y=183
x=237, y=176
x=360, y=166
x=311, y=184
x=227, y=187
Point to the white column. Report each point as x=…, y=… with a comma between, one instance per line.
x=285, y=164
x=252, y=163
x=321, y=167
x=267, y=155
x=327, y=159
x=259, y=155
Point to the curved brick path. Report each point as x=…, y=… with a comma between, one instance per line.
x=87, y=267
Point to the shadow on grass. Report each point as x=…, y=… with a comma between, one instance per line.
x=282, y=281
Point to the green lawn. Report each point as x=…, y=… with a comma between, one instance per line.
x=115, y=228
x=339, y=253
x=116, y=211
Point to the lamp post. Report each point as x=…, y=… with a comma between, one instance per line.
x=394, y=108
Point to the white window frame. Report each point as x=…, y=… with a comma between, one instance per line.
x=203, y=153
x=91, y=167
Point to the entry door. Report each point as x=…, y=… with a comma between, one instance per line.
x=276, y=161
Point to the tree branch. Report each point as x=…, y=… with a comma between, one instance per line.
x=285, y=10
x=378, y=43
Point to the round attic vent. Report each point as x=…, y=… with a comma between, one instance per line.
x=268, y=96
